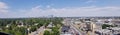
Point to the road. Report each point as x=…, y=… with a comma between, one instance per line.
x=74, y=27
x=78, y=30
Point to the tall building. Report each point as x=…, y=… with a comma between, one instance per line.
x=90, y=27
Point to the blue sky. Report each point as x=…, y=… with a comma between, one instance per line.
x=62, y=8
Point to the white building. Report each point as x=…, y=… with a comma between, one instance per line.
x=65, y=34
x=50, y=25
x=77, y=22
x=103, y=32
x=115, y=30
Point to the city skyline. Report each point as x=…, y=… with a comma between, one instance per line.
x=62, y=8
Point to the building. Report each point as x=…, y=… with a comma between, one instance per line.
x=103, y=32
x=90, y=26
x=115, y=30
x=66, y=34
x=20, y=23
x=77, y=22
x=50, y=25
x=65, y=29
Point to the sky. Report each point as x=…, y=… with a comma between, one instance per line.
x=60, y=8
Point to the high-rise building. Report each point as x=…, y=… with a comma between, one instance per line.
x=90, y=27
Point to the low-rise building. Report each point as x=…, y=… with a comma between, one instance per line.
x=103, y=32
x=115, y=30
x=65, y=29
x=50, y=25
x=66, y=34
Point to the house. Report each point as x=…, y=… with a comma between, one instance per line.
x=50, y=25
x=20, y=23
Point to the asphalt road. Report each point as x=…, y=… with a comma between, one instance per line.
x=76, y=30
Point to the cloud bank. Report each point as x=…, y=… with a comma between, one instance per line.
x=39, y=11
x=75, y=11
x=3, y=7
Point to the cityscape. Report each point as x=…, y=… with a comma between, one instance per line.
x=59, y=17
x=61, y=26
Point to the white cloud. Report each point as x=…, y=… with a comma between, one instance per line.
x=38, y=11
x=3, y=7
x=48, y=6
x=76, y=11
x=90, y=1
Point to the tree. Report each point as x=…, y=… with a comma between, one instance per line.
x=55, y=31
x=18, y=33
x=33, y=28
x=46, y=32
x=104, y=26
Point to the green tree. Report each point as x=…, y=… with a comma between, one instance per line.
x=46, y=32
x=33, y=28
x=18, y=33
x=55, y=31
x=104, y=26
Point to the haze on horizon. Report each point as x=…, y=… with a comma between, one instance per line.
x=62, y=8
